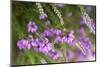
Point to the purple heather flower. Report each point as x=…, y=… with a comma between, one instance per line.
x=42, y=46
x=64, y=39
x=51, y=32
x=23, y=44
x=43, y=16
x=32, y=27
x=72, y=43
x=54, y=54
x=82, y=21
x=93, y=53
x=80, y=56
x=58, y=39
x=37, y=49
x=31, y=41
x=89, y=9
x=46, y=47
x=85, y=42
x=70, y=55
x=81, y=30
x=69, y=14
x=46, y=40
x=47, y=32
x=70, y=37
x=57, y=32
x=37, y=42
x=47, y=23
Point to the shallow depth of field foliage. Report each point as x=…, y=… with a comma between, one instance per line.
x=24, y=12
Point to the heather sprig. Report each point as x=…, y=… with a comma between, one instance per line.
x=88, y=20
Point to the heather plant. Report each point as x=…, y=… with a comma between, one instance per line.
x=44, y=33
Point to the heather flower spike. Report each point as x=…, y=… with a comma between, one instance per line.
x=87, y=20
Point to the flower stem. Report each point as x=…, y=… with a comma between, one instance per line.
x=64, y=52
x=38, y=35
x=27, y=52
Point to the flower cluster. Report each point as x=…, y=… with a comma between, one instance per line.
x=32, y=27
x=58, y=34
x=44, y=45
x=46, y=40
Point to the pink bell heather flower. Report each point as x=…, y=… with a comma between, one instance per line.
x=23, y=44
x=32, y=27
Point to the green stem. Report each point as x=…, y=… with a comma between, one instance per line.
x=64, y=51
x=29, y=56
x=38, y=35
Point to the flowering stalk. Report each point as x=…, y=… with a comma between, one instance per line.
x=80, y=47
x=87, y=20
x=42, y=14
x=58, y=14
x=64, y=52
